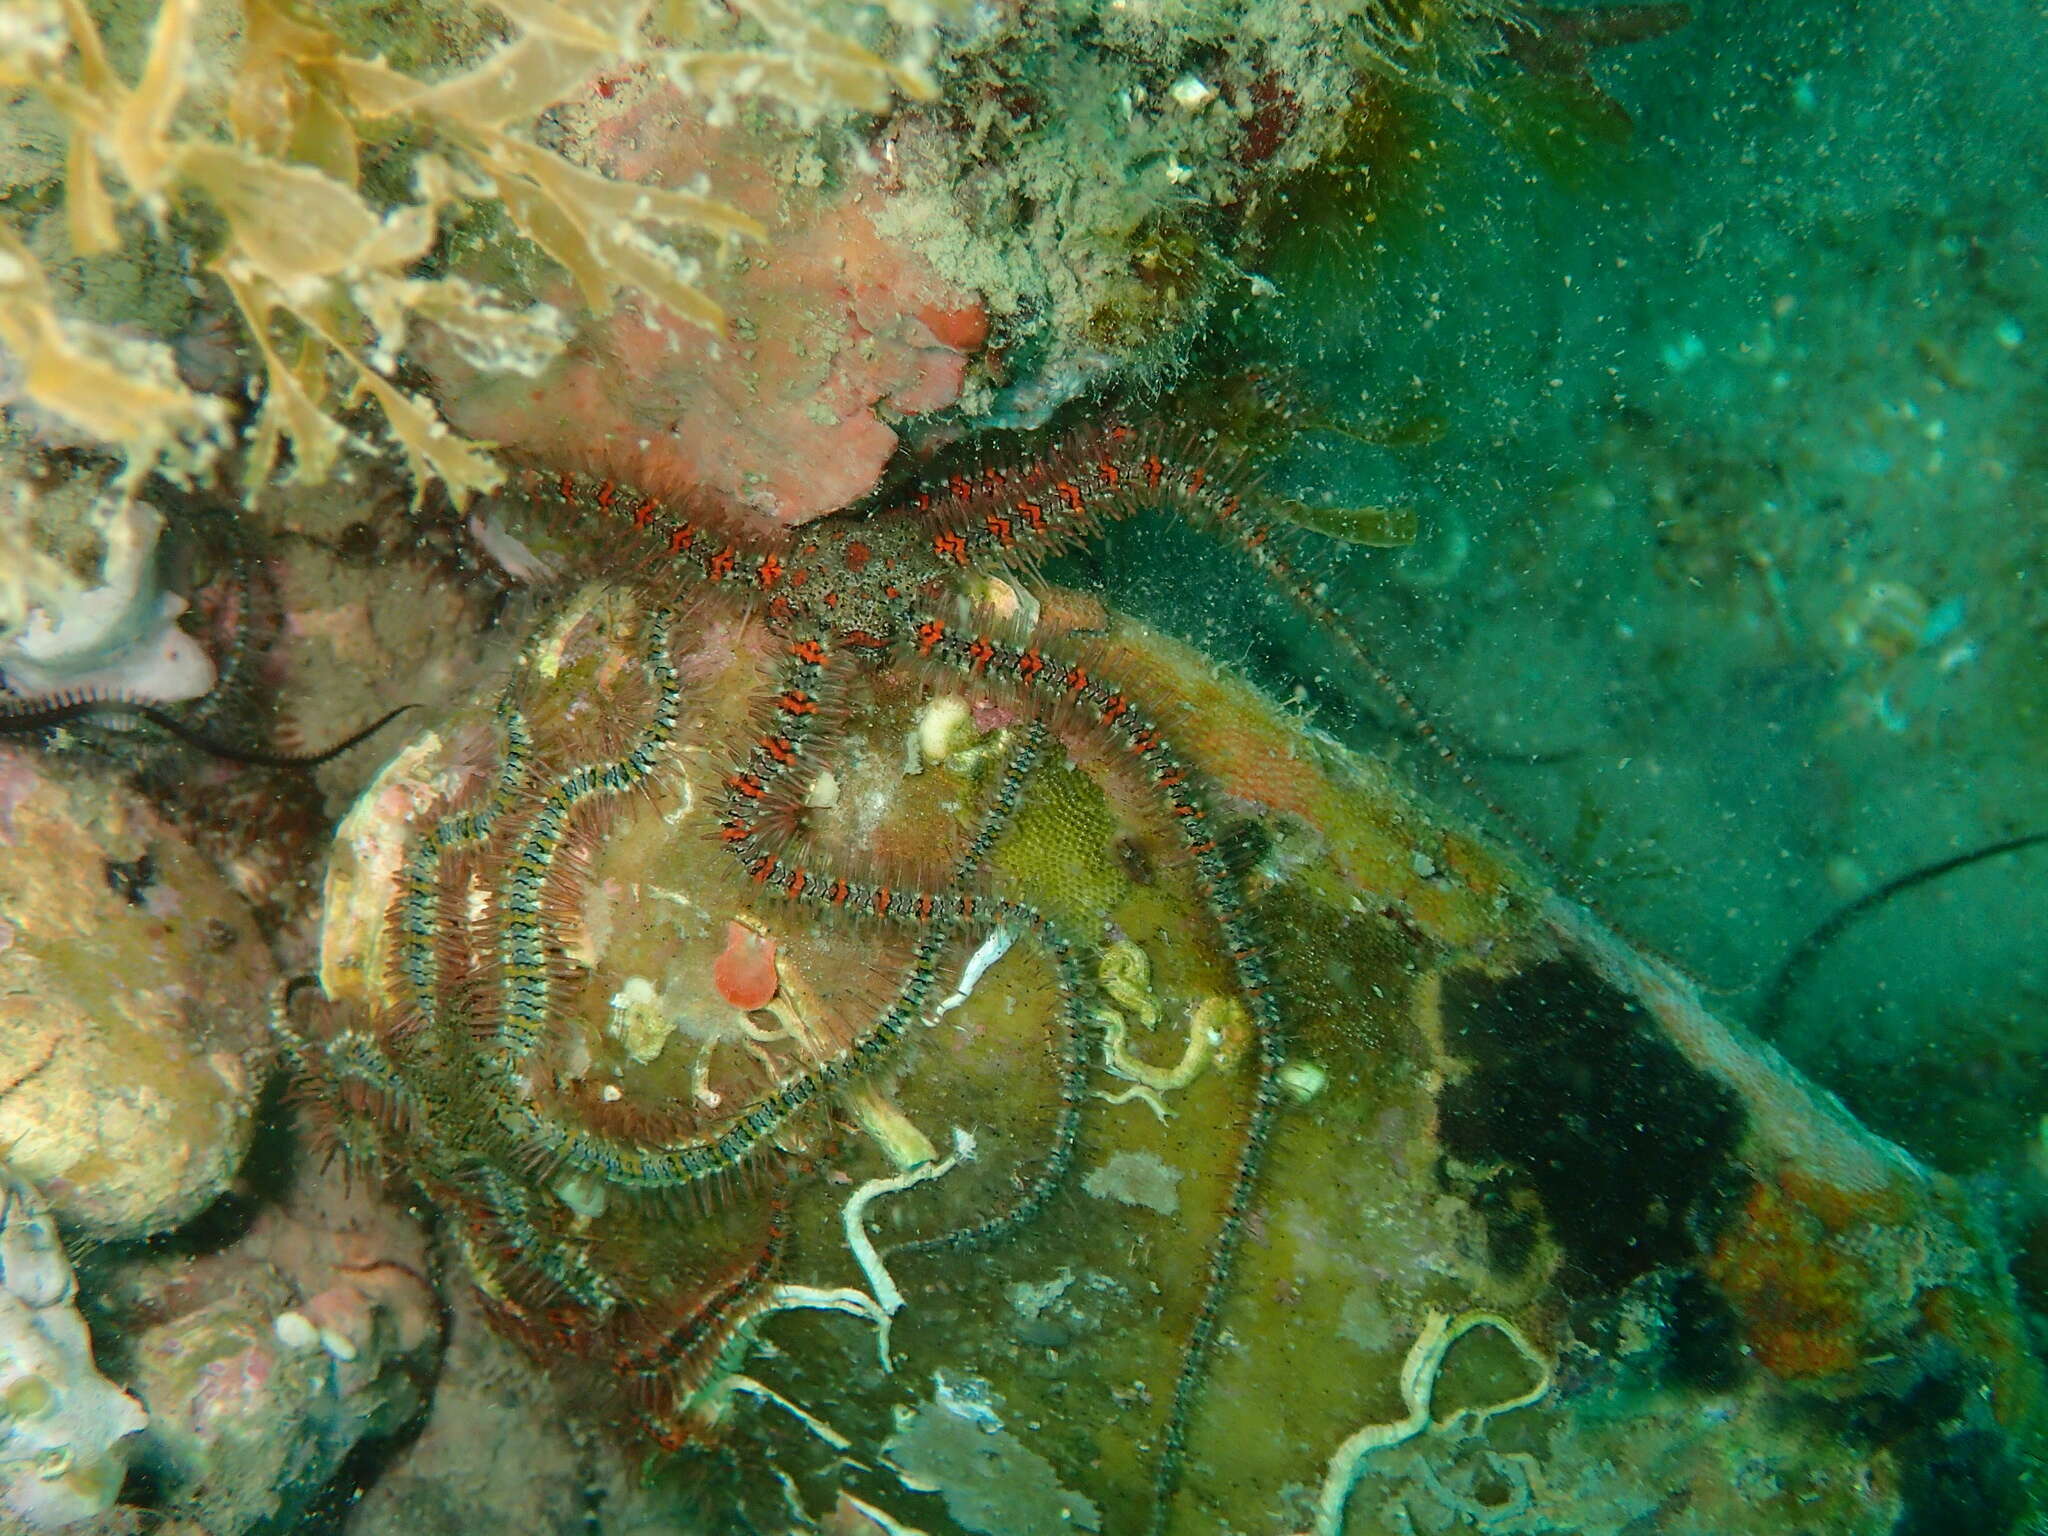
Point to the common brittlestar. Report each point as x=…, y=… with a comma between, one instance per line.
x=480, y=952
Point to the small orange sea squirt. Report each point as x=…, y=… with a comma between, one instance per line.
x=744, y=971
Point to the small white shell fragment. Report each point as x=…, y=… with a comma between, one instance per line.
x=337, y=1344
x=640, y=1020
x=1193, y=92
x=1302, y=1080
x=295, y=1330
x=1007, y=601
x=583, y=1194
x=941, y=726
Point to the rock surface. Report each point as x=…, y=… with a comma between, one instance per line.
x=134, y=1004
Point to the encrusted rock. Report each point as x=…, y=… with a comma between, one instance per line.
x=266, y=1363
x=134, y=1004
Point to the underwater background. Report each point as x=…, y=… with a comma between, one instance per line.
x=1630, y=1119
x=1732, y=509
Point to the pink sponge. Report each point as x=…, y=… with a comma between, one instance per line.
x=836, y=330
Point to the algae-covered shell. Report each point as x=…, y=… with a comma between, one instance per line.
x=1528, y=1212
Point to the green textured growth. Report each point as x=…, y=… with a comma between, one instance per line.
x=1060, y=851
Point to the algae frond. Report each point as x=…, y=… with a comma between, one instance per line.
x=318, y=184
